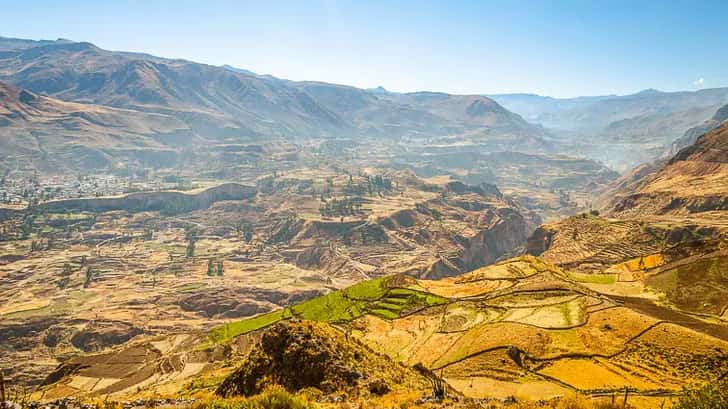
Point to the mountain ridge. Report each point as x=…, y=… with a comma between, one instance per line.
x=221, y=101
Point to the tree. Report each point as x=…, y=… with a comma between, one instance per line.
x=149, y=232
x=246, y=230
x=191, y=236
x=67, y=270
x=26, y=228
x=714, y=395
x=89, y=277
x=220, y=269
x=210, y=267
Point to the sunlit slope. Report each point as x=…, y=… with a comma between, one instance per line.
x=693, y=183
x=522, y=327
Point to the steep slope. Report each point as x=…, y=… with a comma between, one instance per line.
x=694, y=181
x=212, y=100
x=34, y=125
x=377, y=115
x=470, y=138
x=667, y=232
x=601, y=111
x=692, y=134
x=470, y=109
x=633, y=180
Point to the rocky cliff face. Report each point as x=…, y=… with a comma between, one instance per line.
x=441, y=237
x=692, y=134
x=168, y=201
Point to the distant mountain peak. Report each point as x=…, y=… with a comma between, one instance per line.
x=649, y=91
x=378, y=90
x=238, y=70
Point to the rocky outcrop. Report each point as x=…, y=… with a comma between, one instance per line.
x=99, y=335
x=298, y=355
x=540, y=241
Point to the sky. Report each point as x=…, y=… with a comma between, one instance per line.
x=555, y=48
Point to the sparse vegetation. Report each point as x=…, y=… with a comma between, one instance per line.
x=274, y=397
x=343, y=248
x=714, y=395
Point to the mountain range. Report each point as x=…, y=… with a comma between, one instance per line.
x=351, y=244
x=621, y=131
x=203, y=103
x=219, y=102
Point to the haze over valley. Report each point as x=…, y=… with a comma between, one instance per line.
x=186, y=234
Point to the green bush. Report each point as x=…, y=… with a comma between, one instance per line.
x=714, y=395
x=278, y=398
x=274, y=397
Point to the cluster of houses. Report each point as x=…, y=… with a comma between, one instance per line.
x=22, y=190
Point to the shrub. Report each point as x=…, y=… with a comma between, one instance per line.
x=278, y=398
x=274, y=397
x=710, y=396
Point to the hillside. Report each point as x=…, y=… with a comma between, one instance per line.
x=522, y=328
x=681, y=261
x=300, y=355
x=170, y=262
x=182, y=235
x=482, y=118
x=665, y=232
x=211, y=100
x=33, y=126
x=692, y=184
x=602, y=111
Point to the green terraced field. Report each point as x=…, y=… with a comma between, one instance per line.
x=227, y=332
x=368, y=297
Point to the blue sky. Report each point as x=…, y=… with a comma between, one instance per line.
x=557, y=48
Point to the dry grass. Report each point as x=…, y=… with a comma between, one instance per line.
x=568, y=402
x=274, y=397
